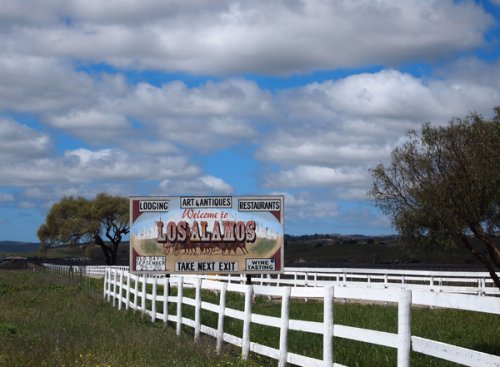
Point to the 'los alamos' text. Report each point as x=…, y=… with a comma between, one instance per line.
x=225, y=231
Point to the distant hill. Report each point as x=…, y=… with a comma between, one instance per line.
x=16, y=246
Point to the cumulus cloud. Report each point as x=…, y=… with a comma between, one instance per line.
x=44, y=196
x=302, y=176
x=42, y=84
x=308, y=206
x=201, y=185
x=6, y=197
x=220, y=37
x=93, y=125
x=108, y=164
x=156, y=119
x=31, y=172
x=18, y=141
x=84, y=165
x=76, y=68
x=207, y=117
x=328, y=135
x=323, y=147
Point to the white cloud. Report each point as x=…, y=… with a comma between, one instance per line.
x=84, y=166
x=6, y=197
x=303, y=176
x=31, y=172
x=93, y=125
x=317, y=140
x=220, y=37
x=18, y=141
x=38, y=84
x=356, y=121
x=328, y=148
x=107, y=164
x=308, y=206
x=210, y=116
x=201, y=185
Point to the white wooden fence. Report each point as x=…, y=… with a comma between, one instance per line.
x=126, y=290
x=437, y=281
x=478, y=283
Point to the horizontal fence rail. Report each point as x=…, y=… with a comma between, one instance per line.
x=474, y=283
x=152, y=296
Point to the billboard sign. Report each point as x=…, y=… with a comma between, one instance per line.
x=206, y=234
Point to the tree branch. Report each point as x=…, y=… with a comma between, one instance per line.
x=483, y=259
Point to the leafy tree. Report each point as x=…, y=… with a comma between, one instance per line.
x=443, y=185
x=73, y=220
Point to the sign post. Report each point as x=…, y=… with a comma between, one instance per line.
x=206, y=235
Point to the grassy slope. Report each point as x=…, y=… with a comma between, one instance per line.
x=47, y=320
x=81, y=330
x=477, y=331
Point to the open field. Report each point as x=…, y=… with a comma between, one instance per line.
x=361, y=251
x=478, y=331
x=49, y=320
x=312, y=250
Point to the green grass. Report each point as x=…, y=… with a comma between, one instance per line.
x=264, y=245
x=48, y=320
x=477, y=331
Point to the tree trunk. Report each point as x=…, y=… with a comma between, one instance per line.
x=483, y=259
x=490, y=246
x=114, y=252
x=105, y=249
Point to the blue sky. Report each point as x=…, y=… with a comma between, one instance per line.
x=299, y=98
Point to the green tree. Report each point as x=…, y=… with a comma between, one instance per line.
x=73, y=220
x=443, y=185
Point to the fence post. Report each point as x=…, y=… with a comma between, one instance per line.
x=166, y=286
x=404, y=328
x=114, y=286
x=105, y=283
x=285, y=316
x=220, y=321
x=245, y=347
x=121, y=290
x=179, y=305
x=153, y=305
x=136, y=291
x=197, y=311
x=328, y=326
x=143, y=300
x=128, y=291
